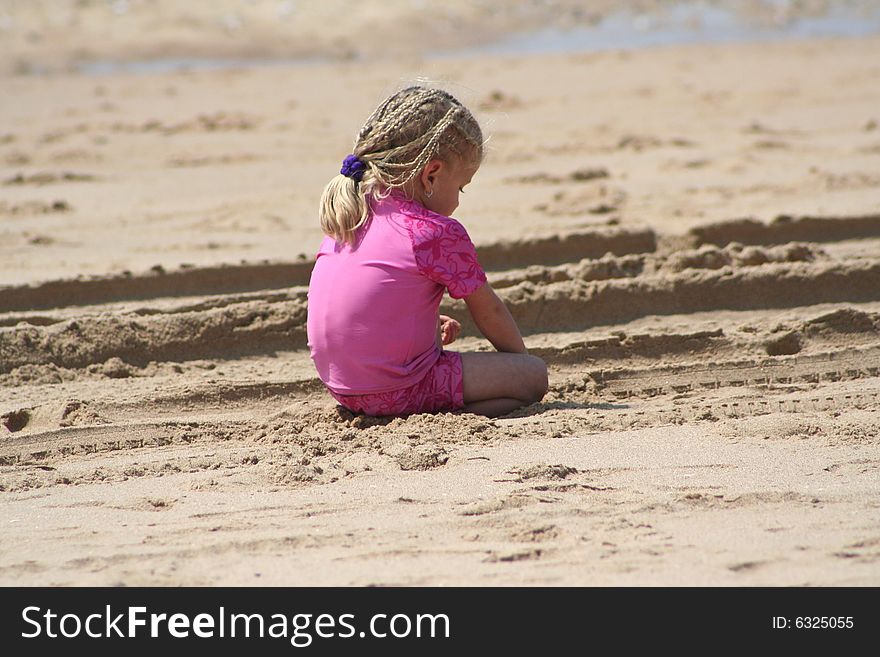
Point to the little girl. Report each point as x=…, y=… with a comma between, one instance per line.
x=391, y=251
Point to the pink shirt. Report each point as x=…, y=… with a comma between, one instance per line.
x=372, y=321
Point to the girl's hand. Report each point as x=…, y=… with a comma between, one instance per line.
x=449, y=329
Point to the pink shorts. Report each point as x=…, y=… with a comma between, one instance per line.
x=442, y=389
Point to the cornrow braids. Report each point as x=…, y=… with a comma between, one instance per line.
x=403, y=134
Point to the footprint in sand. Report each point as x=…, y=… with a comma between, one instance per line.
x=16, y=420
x=192, y=161
x=75, y=155
x=580, y=175
x=17, y=159
x=770, y=145
x=47, y=178
x=27, y=208
x=499, y=101
x=639, y=143
x=602, y=199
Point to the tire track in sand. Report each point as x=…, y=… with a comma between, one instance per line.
x=602, y=277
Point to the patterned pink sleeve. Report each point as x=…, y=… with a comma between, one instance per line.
x=445, y=254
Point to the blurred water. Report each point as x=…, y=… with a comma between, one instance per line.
x=681, y=23
x=685, y=23
x=171, y=64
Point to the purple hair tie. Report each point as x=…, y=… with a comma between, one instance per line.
x=353, y=168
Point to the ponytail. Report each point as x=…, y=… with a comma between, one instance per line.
x=343, y=209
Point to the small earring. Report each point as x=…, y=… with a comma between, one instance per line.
x=429, y=193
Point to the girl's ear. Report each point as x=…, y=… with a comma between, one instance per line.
x=429, y=173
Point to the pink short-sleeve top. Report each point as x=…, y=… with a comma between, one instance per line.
x=373, y=305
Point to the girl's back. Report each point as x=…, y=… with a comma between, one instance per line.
x=373, y=304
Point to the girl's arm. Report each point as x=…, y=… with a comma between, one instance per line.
x=495, y=321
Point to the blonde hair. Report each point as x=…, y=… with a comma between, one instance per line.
x=406, y=131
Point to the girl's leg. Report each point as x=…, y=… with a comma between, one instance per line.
x=498, y=383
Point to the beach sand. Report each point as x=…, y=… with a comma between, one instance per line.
x=689, y=235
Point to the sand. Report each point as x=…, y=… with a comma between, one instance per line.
x=689, y=235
